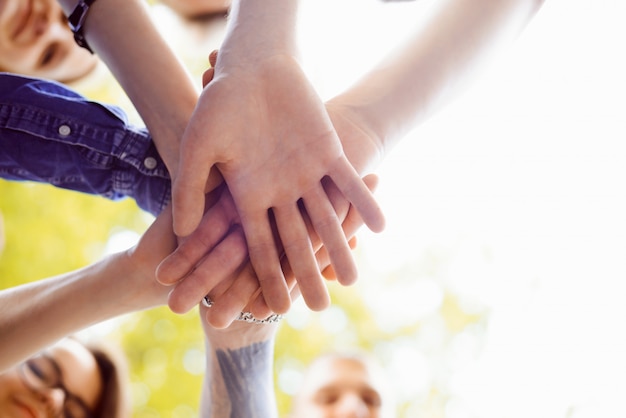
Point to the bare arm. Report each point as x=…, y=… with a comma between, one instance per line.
x=125, y=38
x=123, y=35
x=430, y=70
x=39, y=313
x=276, y=144
x=239, y=376
x=402, y=91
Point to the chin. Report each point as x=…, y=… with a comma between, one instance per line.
x=80, y=69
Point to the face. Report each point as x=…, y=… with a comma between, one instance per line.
x=339, y=388
x=77, y=384
x=35, y=40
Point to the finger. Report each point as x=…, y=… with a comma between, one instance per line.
x=297, y=246
x=336, y=198
x=341, y=207
x=257, y=304
x=371, y=181
x=259, y=310
x=351, y=224
x=328, y=272
x=188, y=188
x=265, y=261
x=213, y=227
x=326, y=224
x=230, y=301
x=354, y=221
x=214, y=181
x=213, y=58
x=221, y=263
x=207, y=76
x=294, y=294
x=356, y=191
x=196, y=161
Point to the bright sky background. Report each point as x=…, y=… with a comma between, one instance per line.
x=522, y=183
x=520, y=186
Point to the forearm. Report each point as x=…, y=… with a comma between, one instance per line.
x=257, y=30
x=435, y=65
x=125, y=38
x=39, y=313
x=239, y=374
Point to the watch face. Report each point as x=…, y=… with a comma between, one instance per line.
x=76, y=20
x=78, y=15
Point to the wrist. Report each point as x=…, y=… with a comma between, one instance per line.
x=363, y=143
x=136, y=286
x=238, y=334
x=258, y=29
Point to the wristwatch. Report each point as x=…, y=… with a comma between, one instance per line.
x=76, y=21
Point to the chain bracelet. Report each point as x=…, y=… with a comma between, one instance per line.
x=247, y=316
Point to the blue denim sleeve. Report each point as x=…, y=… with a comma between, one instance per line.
x=51, y=134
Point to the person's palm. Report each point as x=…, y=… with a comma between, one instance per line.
x=275, y=143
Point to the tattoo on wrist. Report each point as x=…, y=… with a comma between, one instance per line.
x=247, y=374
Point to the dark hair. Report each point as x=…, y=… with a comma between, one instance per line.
x=114, y=401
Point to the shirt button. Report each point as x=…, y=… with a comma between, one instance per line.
x=64, y=130
x=150, y=163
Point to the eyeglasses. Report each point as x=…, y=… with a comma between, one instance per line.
x=43, y=372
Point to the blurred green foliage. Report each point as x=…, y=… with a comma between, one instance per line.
x=49, y=231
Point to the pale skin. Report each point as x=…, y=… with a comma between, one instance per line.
x=35, y=40
x=394, y=97
x=334, y=386
x=337, y=386
x=274, y=160
x=38, y=314
x=406, y=88
x=239, y=376
x=239, y=373
x=239, y=291
x=118, y=29
x=360, y=104
x=238, y=380
x=80, y=376
x=431, y=91
x=116, y=36
x=243, y=292
x=234, y=295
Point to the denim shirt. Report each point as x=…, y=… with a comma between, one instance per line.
x=51, y=134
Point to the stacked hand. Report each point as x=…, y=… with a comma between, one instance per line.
x=305, y=177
